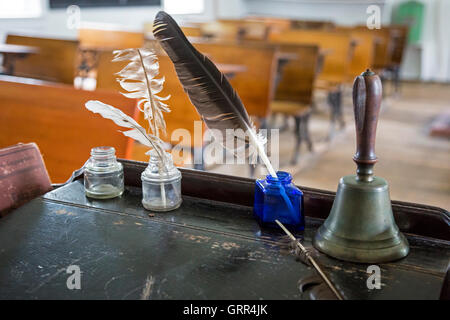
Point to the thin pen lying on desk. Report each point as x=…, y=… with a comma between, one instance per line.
x=312, y=260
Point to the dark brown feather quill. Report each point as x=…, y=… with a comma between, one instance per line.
x=209, y=91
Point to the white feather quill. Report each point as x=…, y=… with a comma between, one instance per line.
x=138, y=78
x=137, y=132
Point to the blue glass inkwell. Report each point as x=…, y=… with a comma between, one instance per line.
x=278, y=198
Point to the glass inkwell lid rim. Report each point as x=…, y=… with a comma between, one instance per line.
x=155, y=172
x=103, y=159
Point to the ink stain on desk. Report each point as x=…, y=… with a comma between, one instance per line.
x=64, y=212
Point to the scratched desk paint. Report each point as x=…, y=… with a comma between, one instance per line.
x=203, y=250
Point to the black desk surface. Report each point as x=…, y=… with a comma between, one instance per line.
x=204, y=250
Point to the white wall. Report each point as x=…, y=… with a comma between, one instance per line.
x=231, y=9
x=343, y=12
x=436, y=41
x=428, y=61
x=53, y=22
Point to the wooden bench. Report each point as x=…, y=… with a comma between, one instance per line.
x=312, y=25
x=54, y=117
x=192, y=31
x=111, y=39
x=55, y=60
x=235, y=30
x=282, y=24
x=274, y=24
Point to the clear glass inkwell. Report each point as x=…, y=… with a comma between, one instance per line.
x=161, y=187
x=103, y=175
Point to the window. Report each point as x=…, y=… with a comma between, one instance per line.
x=20, y=9
x=184, y=7
x=55, y=4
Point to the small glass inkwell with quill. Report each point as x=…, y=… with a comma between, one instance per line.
x=161, y=187
x=161, y=180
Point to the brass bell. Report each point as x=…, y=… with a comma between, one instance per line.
x=361, y=226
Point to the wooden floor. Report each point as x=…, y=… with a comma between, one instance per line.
x=416, y=165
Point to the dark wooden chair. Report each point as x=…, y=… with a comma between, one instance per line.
x=335, y=72
x=294, y=93
x=389, y=46
x=399, y=38
x=364, y=49
x=255, y=86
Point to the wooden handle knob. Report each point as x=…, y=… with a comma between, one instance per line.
x=367, y=95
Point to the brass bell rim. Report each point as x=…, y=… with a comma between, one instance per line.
x=362, y=255
x=378, y=244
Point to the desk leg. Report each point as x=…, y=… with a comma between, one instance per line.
x=396, y=79
x=332, y=103
x=298, y=139
x=340, y=114
x=335, y=102
x=8, y=63
x=306, y=135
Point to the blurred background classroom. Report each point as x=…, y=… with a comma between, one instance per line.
x=292, y=62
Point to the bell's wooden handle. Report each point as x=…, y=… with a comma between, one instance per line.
x=367, y=95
